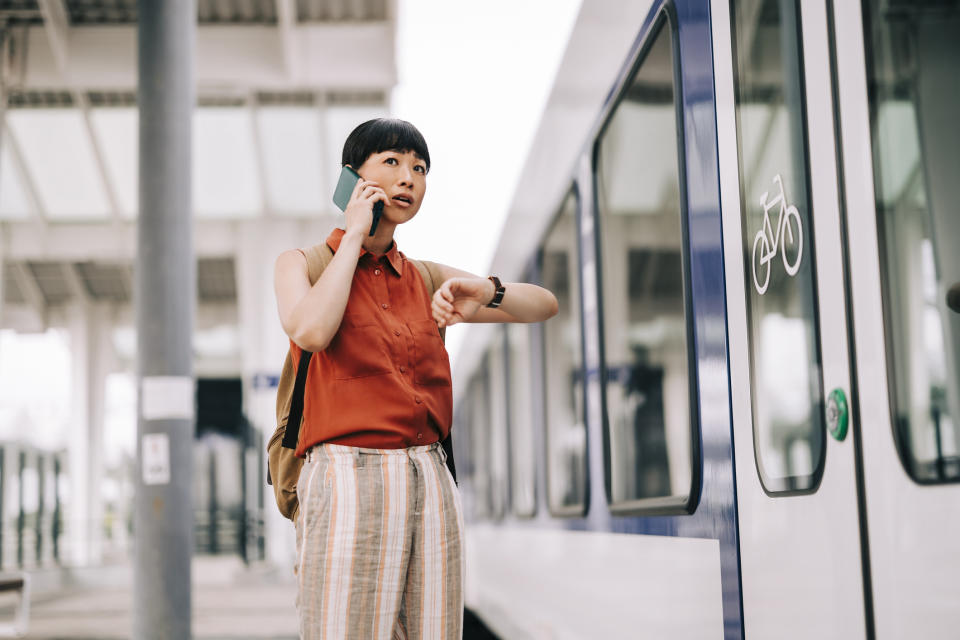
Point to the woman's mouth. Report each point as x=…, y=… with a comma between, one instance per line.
x=404, y=201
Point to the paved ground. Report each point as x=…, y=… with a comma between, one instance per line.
x=230, y=601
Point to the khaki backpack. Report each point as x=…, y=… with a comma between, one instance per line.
x=283, y=466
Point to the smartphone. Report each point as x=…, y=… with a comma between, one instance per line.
x=341, y=195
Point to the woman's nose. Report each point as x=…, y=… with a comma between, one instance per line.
x=406, y=176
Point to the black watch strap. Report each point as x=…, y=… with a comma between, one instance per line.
x=499, y=290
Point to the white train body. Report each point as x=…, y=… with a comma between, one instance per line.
x=745, y=421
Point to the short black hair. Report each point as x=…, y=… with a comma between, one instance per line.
x=383, y=134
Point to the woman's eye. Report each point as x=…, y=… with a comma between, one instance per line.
x=420, y=168
x=391, y=161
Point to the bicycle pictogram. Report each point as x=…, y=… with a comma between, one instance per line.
x=768, y=240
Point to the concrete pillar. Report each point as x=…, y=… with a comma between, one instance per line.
x=165, y=301
x=90, y=348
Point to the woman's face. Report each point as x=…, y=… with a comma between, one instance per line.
x=403, y=176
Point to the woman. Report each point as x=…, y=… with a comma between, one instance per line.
x=379, y=532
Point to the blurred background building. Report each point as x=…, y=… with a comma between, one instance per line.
x=280, y=85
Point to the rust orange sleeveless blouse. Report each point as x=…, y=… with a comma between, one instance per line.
x=383, y=382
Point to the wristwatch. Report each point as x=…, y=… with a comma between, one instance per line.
x=499, y=290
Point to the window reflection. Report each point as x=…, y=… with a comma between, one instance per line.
x=912, y=56
x=566, y=431
x=645, y=326
x=521, y=420
x=463, y=453
x=777, y=242
x=497, y=427
x=478, y=436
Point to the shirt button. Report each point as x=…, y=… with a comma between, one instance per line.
x=396, y=332
x=418, y=400
x=376, y=272
x=419, y=436
x=403, y=370
x=384, y=305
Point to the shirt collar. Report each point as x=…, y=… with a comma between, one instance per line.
x=393, y=256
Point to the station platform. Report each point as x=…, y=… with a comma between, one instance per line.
x=230, y=601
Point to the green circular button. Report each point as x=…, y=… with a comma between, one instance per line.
x=837, y=414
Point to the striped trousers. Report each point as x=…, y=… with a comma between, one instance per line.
x=379, y=544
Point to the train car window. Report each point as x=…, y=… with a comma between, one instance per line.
x=498, y=459
x=913, y=53
x=786, y=382
x=563, y=370
x=521, y=417
x=463, y=452
x=647, y=342
x=478, y=437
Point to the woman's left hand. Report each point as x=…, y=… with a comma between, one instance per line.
x=459, y=299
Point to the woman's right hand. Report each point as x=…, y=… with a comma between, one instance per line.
x=359, y=211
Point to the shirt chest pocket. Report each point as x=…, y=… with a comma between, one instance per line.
x=432, y=365
x=359, y=349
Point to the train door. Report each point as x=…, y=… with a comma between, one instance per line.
x=898, y=95
x=796, y=465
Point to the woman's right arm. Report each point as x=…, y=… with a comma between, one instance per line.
x=311, y=315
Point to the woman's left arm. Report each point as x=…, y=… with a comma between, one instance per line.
x=463, y=297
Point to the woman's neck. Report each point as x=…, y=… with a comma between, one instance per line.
x=379, y=243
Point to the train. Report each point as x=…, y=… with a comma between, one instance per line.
x=743, y=422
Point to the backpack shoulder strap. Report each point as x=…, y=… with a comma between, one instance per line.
x=430, y=273
x=291, y=434
x=426, y=275
x=318, y=257
x=293, y=378
x=436, y=279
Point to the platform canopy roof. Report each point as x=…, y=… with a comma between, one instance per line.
x=280, y=83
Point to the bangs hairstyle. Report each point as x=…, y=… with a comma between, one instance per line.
x=383, y=134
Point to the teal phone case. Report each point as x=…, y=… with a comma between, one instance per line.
x=341, y=195
x=346, y=183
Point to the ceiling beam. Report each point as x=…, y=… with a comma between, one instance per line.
x=286, y=22
x=22, y=319
x=29, y=288
x=38, y=213
x=326, y=172
x=56, y=23
x=83, y=102
x=74, y=281
x=207, y=315
x=260, y=162
x=355, y=56
x=107, y=241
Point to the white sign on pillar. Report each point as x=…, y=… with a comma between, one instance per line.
x=167, y=398
x=156, y=458
x=163, y=398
